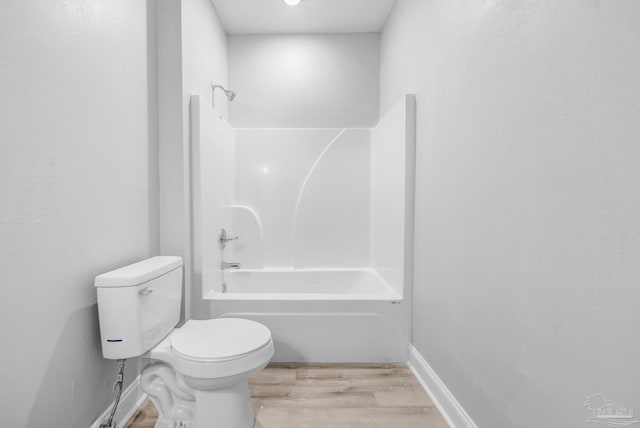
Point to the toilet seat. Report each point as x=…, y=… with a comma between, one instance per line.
x=218, y=340
x=205, y=367
x=193, y=352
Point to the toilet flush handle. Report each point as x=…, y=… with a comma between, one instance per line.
x=145, y=291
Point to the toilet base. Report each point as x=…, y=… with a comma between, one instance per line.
x=187, y=402
x=202, y=393
x=228, y=407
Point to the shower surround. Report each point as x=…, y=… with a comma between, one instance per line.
x=324, y=219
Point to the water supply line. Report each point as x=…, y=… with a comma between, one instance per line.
x=117, y=386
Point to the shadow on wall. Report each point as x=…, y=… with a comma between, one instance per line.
x=199, y=307
x=288, y=352
x=77, y=386
x=152, y=128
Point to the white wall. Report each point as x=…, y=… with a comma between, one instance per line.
x=204, y=50
x=304, y=80
x=77, y=195
x=527, y=212
x=204, y=60
x=192, y=54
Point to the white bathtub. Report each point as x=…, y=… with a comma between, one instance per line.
x=319, y=315
x=306, y=284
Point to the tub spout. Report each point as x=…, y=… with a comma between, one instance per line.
x=229, y=265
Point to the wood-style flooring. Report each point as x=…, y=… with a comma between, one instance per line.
x=332, y=396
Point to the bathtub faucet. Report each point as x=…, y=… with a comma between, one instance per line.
x=229, y=265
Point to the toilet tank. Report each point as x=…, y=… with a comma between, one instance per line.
x=138, y=305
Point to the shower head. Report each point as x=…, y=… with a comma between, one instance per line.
x=229, y=94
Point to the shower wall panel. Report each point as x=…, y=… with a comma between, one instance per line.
x=212, y=182
x=302, y=197
x=392, y=190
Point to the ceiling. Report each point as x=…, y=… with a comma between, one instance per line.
x=310, y=16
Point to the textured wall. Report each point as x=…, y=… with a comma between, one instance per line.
x=204, y=50
x=77, y=195
x=304, y=80
x=527, y=210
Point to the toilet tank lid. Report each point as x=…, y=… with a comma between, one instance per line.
x=138, y=273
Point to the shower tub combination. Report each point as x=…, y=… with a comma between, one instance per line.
x=324, y=219
x=319, y=315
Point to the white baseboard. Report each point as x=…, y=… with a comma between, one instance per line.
x=132, y=398
x=453, y=413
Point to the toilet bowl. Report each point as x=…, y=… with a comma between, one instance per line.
x=196, y=375
x=200, y=373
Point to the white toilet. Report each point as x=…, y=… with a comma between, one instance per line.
x=198, y=375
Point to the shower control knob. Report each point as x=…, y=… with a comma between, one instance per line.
x=224, y=238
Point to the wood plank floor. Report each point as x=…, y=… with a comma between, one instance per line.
x=331, y=395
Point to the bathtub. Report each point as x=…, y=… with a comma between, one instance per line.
x=306, y=284
x=319, y=315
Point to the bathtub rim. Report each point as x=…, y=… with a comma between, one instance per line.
x=388, y=295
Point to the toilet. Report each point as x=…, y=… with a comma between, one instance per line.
x=197, y=375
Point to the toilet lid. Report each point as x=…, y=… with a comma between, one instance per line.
x=219, y=339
